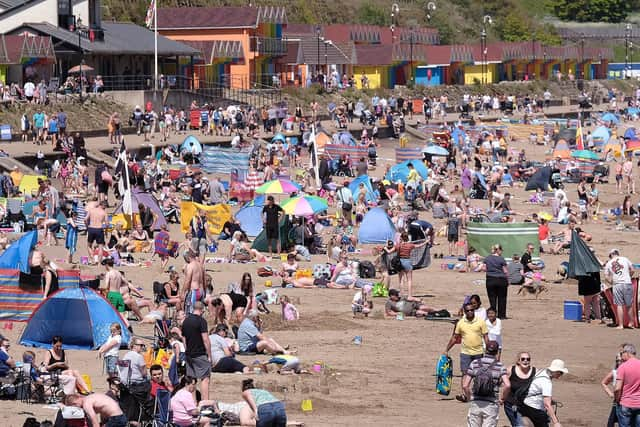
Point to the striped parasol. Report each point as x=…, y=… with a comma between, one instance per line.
x=278, y=186
x=304, y=205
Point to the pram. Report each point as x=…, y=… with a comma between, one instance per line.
x=367, y=118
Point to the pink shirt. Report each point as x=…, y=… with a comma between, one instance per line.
x=629, y=375
x=290, y=312
x=182, y=403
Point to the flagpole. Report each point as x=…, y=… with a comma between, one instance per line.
x=155, y=45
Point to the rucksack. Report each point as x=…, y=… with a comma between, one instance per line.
x=367, y=270
x=483, y=385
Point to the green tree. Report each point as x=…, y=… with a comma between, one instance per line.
x=592, y=10
x=369, y=13
x=513, y=28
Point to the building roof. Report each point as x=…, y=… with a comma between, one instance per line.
x=6, y=5
x=373, y=55
x=216, y=51
x=119, y=38
x=175, y=18
x=312, y=51
x=14, y=48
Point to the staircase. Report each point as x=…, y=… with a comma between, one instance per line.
x=223, y=95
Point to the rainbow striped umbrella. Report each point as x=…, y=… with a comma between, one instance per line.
x=632, y=145
x=304, y=205
x=278, y=186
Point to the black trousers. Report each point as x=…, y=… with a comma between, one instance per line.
x=497, y=289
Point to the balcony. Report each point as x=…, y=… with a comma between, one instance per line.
x=268, y=46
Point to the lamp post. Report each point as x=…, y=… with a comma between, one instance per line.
x=483, y=46
x=326, y=66
x=318, y=50
x=77, y=21
x=627, y=35
x=431, y=7
x=581, y=75
x=533, y=57
x=544, y=63
x=395, y=10
x=631, y=59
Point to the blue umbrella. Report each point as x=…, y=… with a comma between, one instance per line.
x=435, y=150
x=630, y=133
x=610, y=117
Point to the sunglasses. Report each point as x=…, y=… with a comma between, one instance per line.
x=525, y=359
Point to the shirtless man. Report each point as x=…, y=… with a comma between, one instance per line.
x=99, y=404
x=96, y=221
x=192, y=289
x=119, y=292
x=565, y=242
x=35, y=262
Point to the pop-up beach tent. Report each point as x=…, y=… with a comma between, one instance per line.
x=250, y=216
x=261, y=244
x=376, y=227
x=147, y=199
x=80, y=315
x=354, y=186
x=400, y=172
x=513, y=237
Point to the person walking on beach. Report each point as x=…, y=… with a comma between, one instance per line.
x=618, y=270
x=485, y=383
x=627, y=391
x=472, y=332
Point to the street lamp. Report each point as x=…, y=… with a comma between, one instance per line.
x=483, y=46
x=544, y=63
x=582, y=58
x=318, y=29
x=627, y=35
x=395, y=10
x=326, y=66
x=431, y=7
x=77, y=21
x=631, y=59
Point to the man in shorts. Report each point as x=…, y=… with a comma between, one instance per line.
x=619, y=270
x=96, y=222
x=99, y=404
x=114, y=280
x=192, y=290
x=198, y=348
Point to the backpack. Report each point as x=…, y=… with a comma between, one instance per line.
x=367, y=270
x=483, y=385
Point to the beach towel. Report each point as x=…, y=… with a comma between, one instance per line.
x=444, y=374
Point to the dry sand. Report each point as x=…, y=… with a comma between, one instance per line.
x=389, y=379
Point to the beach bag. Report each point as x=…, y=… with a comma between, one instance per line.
x=483, y=384
x=367, y=270
x=444, y=374
x=322, y=271
x=379, y=291
x=265, y=271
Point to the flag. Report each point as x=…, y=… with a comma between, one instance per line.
x=148, y=20
x=124, y=187
x=579, y=141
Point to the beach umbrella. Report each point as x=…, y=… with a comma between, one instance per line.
x=76, y=69
x=610, y=117
x=584, y=154
x=253, y=180
x=630, y=133
x=582, y=262
x=278, y=186
x=435, y=150
x=304, y=205
x=633, y=145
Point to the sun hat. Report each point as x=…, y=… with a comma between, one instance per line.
x=557, y=365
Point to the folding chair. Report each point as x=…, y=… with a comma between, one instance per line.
x=162, y=415
x=161, y=334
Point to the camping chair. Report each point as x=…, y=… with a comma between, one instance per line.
x=161, y=334
x=14, y=210
x=53, y=386
x=133, y=396
x=162, y=409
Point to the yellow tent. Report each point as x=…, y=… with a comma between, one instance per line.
x=216, y=216
x=29, y=184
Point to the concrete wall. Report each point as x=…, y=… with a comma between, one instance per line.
x=179, y=99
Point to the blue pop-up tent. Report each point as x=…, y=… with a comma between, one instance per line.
x=80, y=315
x=376, y=227
x=250, y=216
x=400, y=172
x=354, y=186
x=16, y=256
x=191, y=145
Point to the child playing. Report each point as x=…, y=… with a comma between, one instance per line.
x=494, y=326
x=289, y=311
x=362, y=302
x=110, y=350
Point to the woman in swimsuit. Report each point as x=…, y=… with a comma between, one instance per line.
x=50, y=278
x=42, y=220
x=55, y=360
x=289, y=269
x=247, y=289
x=171, y=289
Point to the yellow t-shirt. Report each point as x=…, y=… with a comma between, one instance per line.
x=413, y=176
x=471, y=333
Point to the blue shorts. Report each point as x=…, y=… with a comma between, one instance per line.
x=406, y=264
